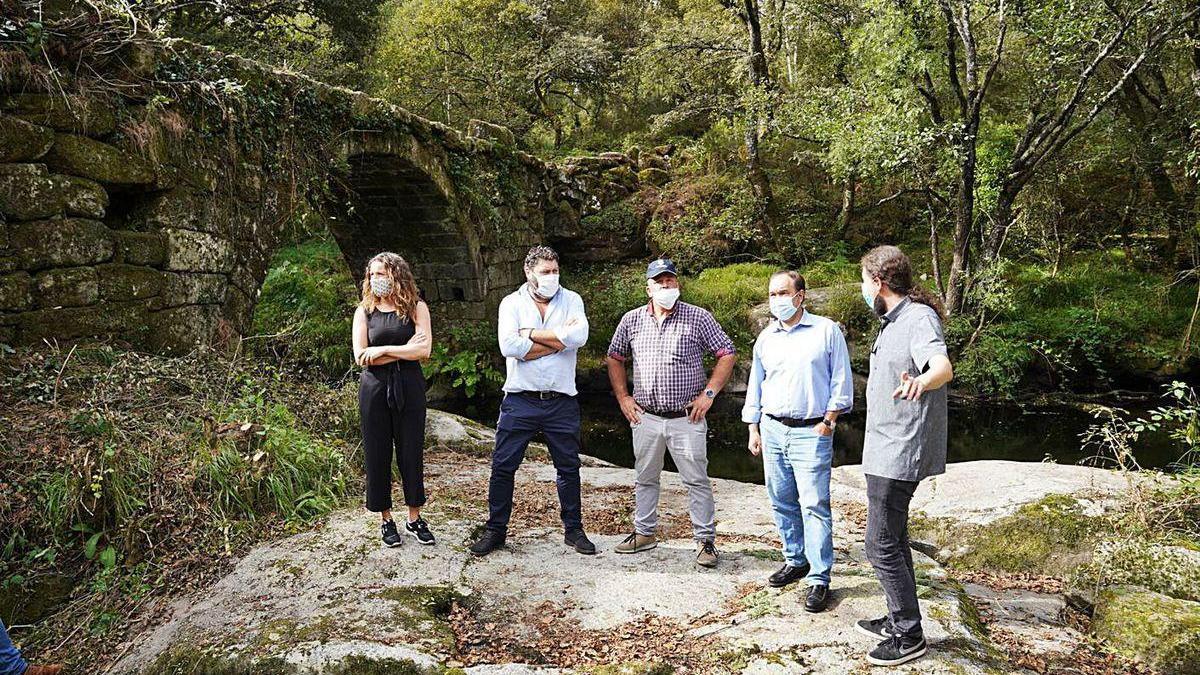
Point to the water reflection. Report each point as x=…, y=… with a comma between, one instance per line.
x=975, y=432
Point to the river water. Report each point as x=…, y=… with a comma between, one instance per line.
x=975, y=432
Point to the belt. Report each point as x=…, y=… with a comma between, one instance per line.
x=674, y=414
x=794, y=422
x=394, y=384
x=541, y=395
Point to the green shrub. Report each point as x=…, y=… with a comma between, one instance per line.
x=304, y=314
x=705, y=222
x=730, y=293
x=466, y=357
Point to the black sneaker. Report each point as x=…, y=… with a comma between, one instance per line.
x=818, y=598
x=896, y=650
x=488, y=542
x=391, y=538
x=419, y=529
x=787, y=574
x=875, y=628
x=579, y=541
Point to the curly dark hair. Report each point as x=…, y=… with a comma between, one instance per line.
x=891, y=266
x=537, y=253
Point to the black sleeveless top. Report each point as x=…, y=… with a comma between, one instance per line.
x=389, y=328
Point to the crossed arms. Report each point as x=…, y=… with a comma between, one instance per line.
x=416, y=349
x=528, y=344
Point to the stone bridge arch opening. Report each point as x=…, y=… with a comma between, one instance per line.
x=387, y=202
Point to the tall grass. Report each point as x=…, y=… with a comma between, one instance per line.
x=125, y=473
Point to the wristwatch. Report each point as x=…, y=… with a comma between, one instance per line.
x=711, y=393
x=829, y=423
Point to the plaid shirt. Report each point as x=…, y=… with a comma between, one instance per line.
x=668, y=359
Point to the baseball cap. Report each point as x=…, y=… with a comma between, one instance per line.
x=661, y=266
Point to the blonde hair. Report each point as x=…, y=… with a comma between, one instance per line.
x=404, y=289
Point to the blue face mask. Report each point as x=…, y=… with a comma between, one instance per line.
x=868, y=298
x=782, y=308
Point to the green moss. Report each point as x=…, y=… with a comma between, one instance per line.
x=194, y=661
x=1174, y=571
x=1042, y=537
x=1161, y=631
x=425, y=608
x=635, y=668
x=361, y=665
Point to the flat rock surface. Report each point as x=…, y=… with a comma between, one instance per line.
x=316, y=598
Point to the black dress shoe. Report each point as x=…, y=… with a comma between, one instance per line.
x=579, y=540
x=787, y=574
x=818, y=598
x=490, y=541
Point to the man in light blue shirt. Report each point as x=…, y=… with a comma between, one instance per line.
x=540, y=328
x=800, y=382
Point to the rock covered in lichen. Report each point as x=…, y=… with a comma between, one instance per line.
x=1161, y=631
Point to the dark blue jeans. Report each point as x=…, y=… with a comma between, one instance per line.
x=522, y=417
x=11, y=662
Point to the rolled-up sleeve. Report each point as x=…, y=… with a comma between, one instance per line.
x=508, y=326
x=575, y=336
x=619, y=347
x=841, y=381
x=715, y=339
x=752, y=409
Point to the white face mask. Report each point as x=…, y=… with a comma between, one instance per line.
x=547, y=285
x=381, y=286
x=665, y=297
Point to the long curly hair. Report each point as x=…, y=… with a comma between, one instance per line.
x=891, y=266
x=404, y=289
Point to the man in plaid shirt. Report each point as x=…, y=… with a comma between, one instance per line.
x=667, y=340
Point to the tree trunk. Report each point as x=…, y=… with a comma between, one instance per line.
x=964, y=221
x=760, y=183
x=846, y=215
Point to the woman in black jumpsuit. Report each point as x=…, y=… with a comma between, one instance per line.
x=391, y=337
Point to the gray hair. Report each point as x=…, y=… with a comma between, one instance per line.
x=537, y=253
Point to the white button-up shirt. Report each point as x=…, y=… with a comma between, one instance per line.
x=553, y=372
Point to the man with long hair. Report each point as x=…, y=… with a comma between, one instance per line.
x=905, y=440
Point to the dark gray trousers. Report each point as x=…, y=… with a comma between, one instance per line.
x=887, y=549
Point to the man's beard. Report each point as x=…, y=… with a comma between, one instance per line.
x=880, y=306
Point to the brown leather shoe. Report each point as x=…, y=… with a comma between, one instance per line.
x=636, y=543
x=706, y=554
x=44, y=670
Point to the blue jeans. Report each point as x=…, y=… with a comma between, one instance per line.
x=11, y=662
x=521, y=418
x=797, y=463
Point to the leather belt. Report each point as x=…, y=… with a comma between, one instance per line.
x=541, y=395
x=796, y=423
x=674, y=414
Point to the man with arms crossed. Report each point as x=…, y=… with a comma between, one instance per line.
x=799, y=383
x=541, y=327
x=667, y=340
x=905, y=440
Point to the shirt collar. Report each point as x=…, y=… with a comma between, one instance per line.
x=894, y=313
x=805, y=320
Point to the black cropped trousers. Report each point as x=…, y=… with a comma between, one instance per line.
x=391, y=402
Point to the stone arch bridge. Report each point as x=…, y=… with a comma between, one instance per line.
x=149, y=212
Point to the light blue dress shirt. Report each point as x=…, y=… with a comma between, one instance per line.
x=553, y=372
x=800, y=372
